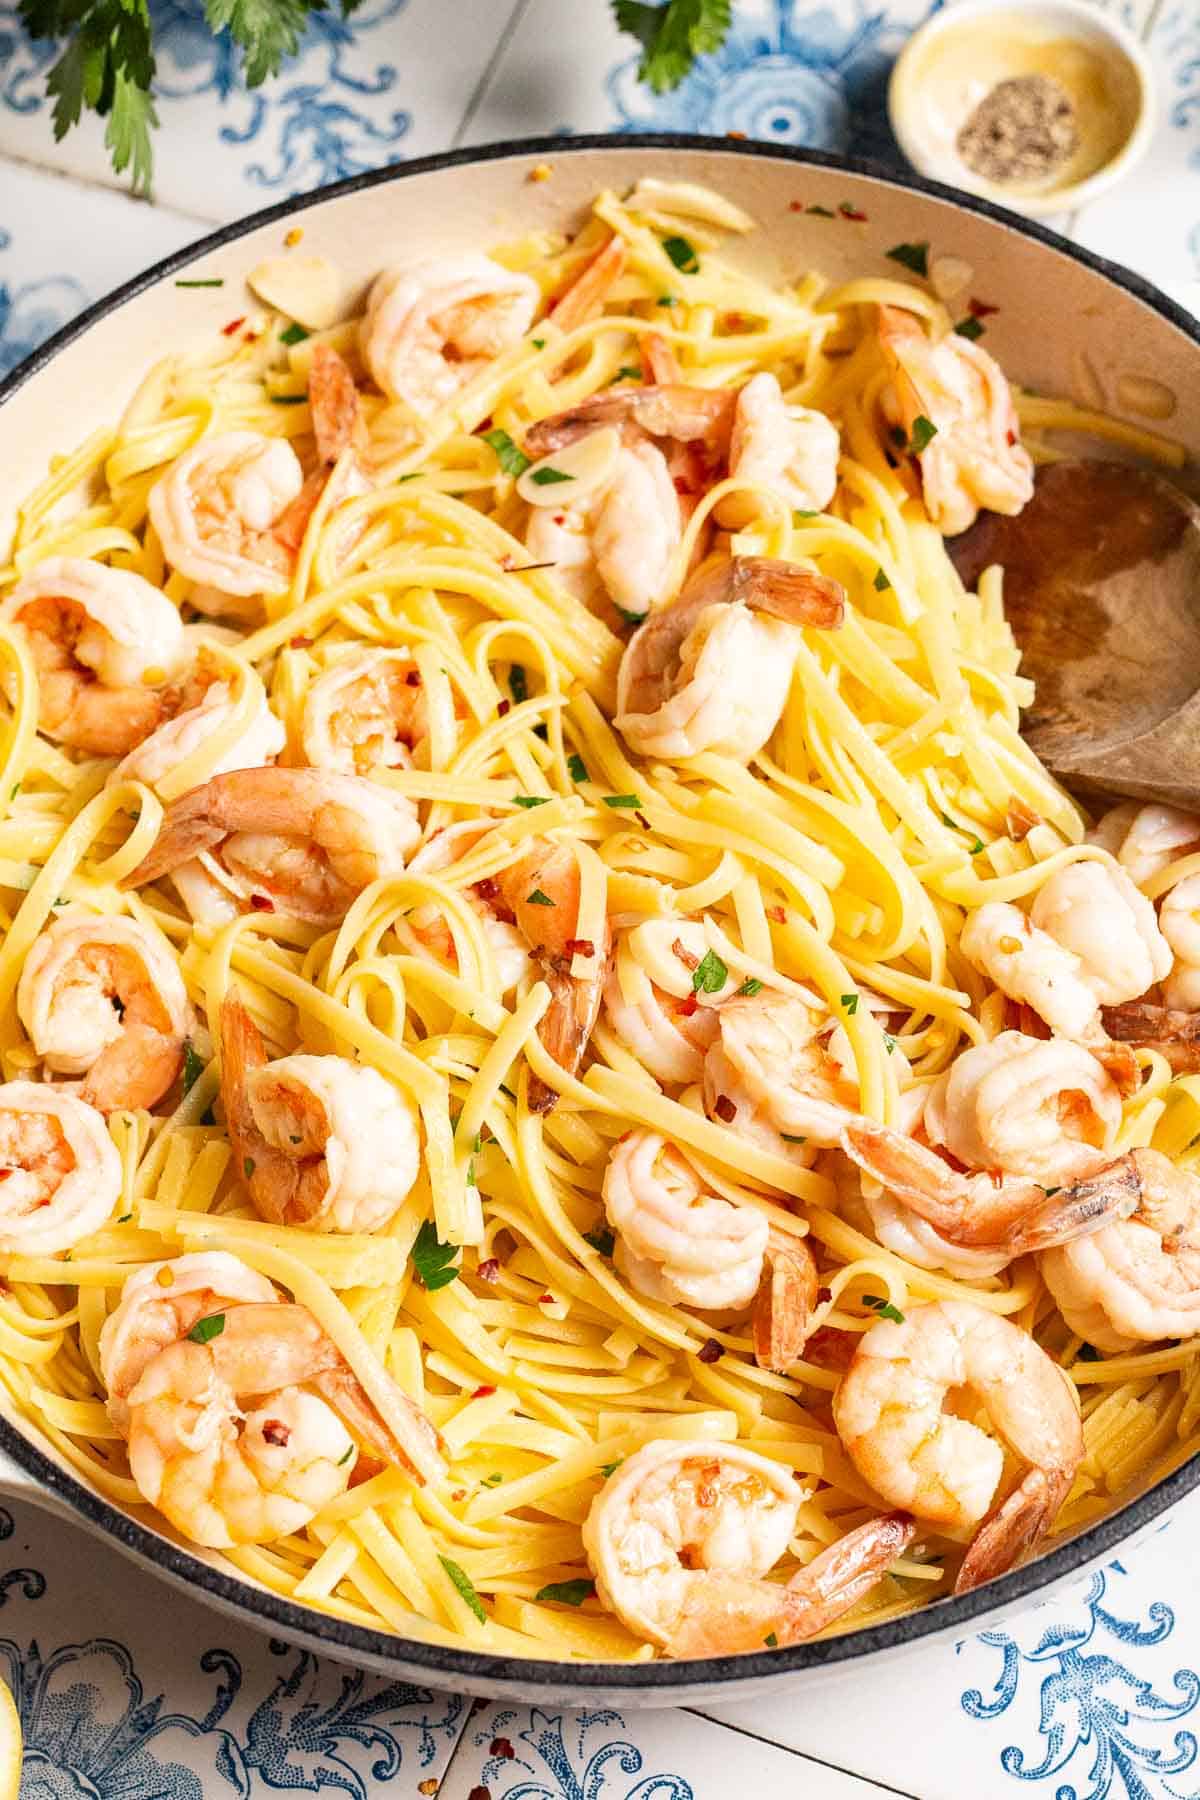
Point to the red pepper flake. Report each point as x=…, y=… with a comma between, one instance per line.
x=981, y=309
x=300, y=643
x=489, y=1270
x=545, y=1299
x=711, y=1351
x=505, y=914
x=276, y=1432
x=1012, y=437
x=505, y=706
x=642, y=820
x=560, y=518
x=261, y=903
x=413, y=678
x=850, y=212
x=795, y=206
x=233, y=325
x=481, y=1393
x=5, y=1173
x=579, y=947
x=459, y=1494
x=501, y=1747
x=735, y=321
x=778, y=914
x=683, y=486
x=480, y=1793
x=725, y=1109
x=687, y=1006
x=488, y=888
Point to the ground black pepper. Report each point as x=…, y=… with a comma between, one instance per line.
x=1022, y=130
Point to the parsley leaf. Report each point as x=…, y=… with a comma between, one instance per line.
x=602, y=1240
x=751, y=986
x=433, y=1260
x=518, y=684
x=528, y=800
x=537, y=898
x=850, y=1002
x=710, y=974
x=548, y=476
x=1088, y=1353
x=969, y=328
x=568, y=1593
x=492, y=1480
x=922, y=434
x=193, y=1066
x=630, y=801
x=881, y=583
x=884, y=1308
x=576, y=767
x=204, y=1330
x=627, y=372
x=682, y=254
x=265, y=30
x=465, y=1586
x=771, y=1641
x=673, y=36
x=295, y=334
x=607, y=1469
x=913, y=256
x=512, y=460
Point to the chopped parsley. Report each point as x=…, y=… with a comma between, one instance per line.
x=751, y=986
x=627, y=372
x=537, y=898
x=124, y=1218
x=528, y=800
x=538, y=343
x=790, y=1137
x=630, y=618
x=295, y=334
x=433, y=1260
x=850, y=1002
x=518, y=685
x=568, y=1593
x=913, y=256
x=193, y=1066
x=548, y=476
x=289, y=399
x=889, y=1042
x=682, y=254
x=666, y=300
x=1050, y=1192
x=804, y=512
x=883, y=1308
x=607, y=1469
x=576, y=767
x=710, y=974
x=248, y=1167
x=630, y=801
x=881, y=583
x=204, y=1330
x=601, y=1239
x=969, y=328
x=1088, y=1353
x=343, y=1460
x=821, y=212
x=512, y=460
x=922, y=434
x=465, y=1586
x=212, y=281
x=771, y=1641
x=492, y=1480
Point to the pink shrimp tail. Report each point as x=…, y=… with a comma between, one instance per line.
x=1014, y=1527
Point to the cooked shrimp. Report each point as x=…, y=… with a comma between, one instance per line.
x=1172, y=1032
x=675, y=1241
x=1019, y=1105
x=105, y=644
x=774, y=1055
x=60, y=1174
x=1179, y=922
x=432, y=327
x=975, y=458
x=308, y=841
x=159, y=1304
x=1146, y=839
x=712, y=670
x=682, y=1537
x=552, y=869
x=229, y=1441
x=366, y=711
x=322, y=1142
x=588, y=292
x=619, y=538
x=888, y=1412
x=678, y=414
x=783, y=1307
x=258, y=742
x=103, y=997
x=1031, y=966
x=509, y=948
x=982, y=1211
x=216, y=512
x=1095, y=911
x=1137, y=1280
x=792, y=450
x=650, y=999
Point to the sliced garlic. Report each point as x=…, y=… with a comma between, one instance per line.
x=565, y=476
x=1143, y=394
x=949, y=276
x=688, y=200
x=306, y=288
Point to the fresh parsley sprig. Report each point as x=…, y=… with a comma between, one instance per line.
x=672, y=36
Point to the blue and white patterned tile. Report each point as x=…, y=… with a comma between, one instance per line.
x=394, y=81
x=63, y=245
x=527, y=1753
x=1093, y=1695
x=114, y=1708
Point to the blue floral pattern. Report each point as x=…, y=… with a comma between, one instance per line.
x=573, y=1757
x=309, y=125
x=1097, y=1719
x=30, y=311
x=803, y=76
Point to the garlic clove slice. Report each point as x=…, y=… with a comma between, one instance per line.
x=306, y=288
x=565, y=476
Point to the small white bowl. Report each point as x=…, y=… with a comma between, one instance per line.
x=948, y=66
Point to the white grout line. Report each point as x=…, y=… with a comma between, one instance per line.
x=98, y=185
x=485, y=80
x=803, y=1756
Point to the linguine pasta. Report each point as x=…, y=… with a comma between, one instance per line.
x=838, y=863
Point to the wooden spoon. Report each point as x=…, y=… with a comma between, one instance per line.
x=1102, y=590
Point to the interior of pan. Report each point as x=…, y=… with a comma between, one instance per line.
x=1063, y=318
